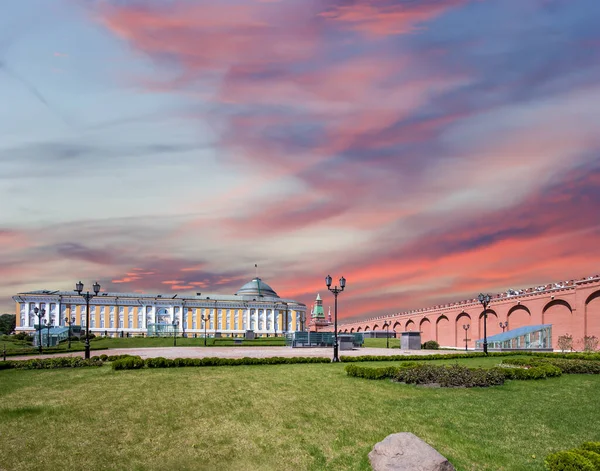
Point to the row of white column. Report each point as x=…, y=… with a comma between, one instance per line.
x=253, y=319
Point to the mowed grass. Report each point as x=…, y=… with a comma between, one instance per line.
x=306, y=417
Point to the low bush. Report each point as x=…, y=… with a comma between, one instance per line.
x=591, y=446
x=160, y=362
x=49, y=363
x=591, y=456
x=541, y=371
x=566, y=366
x=129, y=363
x=568, y=461
x=450, y=376
x=430, y=345
x=451, y=356
x=366, y=372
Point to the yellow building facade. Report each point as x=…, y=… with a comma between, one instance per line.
x=255, y=306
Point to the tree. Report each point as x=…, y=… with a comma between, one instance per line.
x=589, y=343
x=565, y=342
x=8, y=322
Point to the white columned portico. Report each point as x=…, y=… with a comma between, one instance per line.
x=27, y=314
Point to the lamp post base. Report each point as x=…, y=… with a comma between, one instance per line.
x=335, y=354
x=87, y=349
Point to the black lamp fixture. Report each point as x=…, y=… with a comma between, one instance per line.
x=466, y=327
x=40, y=314
x=70, y=322
x=484, y=299
x=175, y=324
x=503, y=325
x=387, y=334
x=87, y=296
x=205, y=320
x=335, y=290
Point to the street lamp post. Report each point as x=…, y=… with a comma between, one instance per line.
x=205, y=319
x=466, y=327
x=335, y=290
x=87, y=296
x=175, y=324
x=485, y=299
x=69, y=323
x=39, y=313
x=503, y=325
x=48, y=326
x=387, y=335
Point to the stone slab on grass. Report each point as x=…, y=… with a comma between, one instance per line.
x=407, y=452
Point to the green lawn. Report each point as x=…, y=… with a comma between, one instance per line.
x=309, y=416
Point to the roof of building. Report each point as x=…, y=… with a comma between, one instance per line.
x=511, y=334
x=255, y=290
x=257, y=287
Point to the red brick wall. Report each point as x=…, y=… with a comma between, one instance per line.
x=573, y=310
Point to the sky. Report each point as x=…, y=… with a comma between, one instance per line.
x=425, y=150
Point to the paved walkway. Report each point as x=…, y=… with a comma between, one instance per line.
x=239, y=352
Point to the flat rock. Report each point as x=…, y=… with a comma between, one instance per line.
x=407, y=452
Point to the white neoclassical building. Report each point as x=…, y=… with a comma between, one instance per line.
x=255, y=306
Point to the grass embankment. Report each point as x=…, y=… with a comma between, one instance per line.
x=310, y=417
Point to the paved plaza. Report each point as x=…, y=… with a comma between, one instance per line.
x=240, y=352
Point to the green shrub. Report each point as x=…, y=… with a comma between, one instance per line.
x=567, y=366
x=371, y=373
x=592, y=456
x=591, y=446
x=540, y=371
x=129, y=363
x=567, y=461
x=450, y=376
x=450, y=356
x=430, y=345
x=49, y=363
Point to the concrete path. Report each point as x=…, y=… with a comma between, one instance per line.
x=239, y=352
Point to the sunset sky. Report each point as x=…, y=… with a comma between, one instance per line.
x=427, y=150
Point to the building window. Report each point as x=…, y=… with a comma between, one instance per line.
x=269, y=311
x=121, y=316
x=194, y=320
x=111, y=323
x=261, y=318
x=202, y=317
x=130, y=318
x=102, y=314
x=93, y=317
x=244, y=320
x=140, y=317
x=219, y=319
x=252, y=319
x=63, y=313
x=290, y=316
x=228, y=319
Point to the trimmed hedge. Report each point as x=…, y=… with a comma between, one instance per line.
x=451, y=356
x=129, y=363
x=48, y=363
x=566, y=366
x=584, y=458
x=449, y=376
x=160, y=362
x=536, y=372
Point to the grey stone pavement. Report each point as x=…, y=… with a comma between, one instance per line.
x=239, y=352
